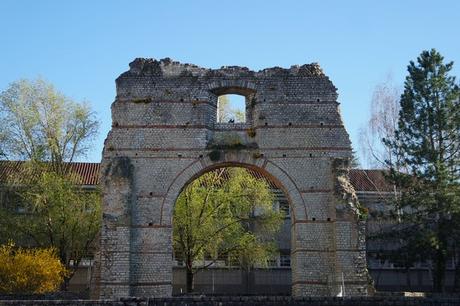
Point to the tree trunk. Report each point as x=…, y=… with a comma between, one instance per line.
x=440, y=271
x=189, y=280
x=65, y=284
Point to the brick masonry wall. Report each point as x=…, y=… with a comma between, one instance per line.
x=163, y=132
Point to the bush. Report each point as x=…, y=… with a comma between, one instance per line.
x=28, y=271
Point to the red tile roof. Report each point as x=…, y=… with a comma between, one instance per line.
x=361, y=179
x=369, y=180
x=7, y=168
x=272, y=184
x=88, y=172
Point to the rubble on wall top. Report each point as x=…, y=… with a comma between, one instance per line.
x=168, y=68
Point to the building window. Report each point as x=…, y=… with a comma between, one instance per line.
x=178, y=261
x=284, y=207
x=272, y=262
x=231, y=109
x=285, y=260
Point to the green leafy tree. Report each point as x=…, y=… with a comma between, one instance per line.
x=56, y=213
x=427, y=143
x=39, y=123
x=43, y=126
x=226, y=213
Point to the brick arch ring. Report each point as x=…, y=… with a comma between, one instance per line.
x=241, y=87
x=267, y=168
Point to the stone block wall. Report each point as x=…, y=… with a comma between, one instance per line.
x=164, y=134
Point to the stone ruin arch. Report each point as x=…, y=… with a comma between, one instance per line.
x=164, y=133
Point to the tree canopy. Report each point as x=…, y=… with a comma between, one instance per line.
x=427, y=144
x=39, y=123
x=53, y=211
x=383, y=121
x=47, y=207
x=226, y=213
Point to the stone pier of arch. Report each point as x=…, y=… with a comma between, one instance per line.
x=165, y=133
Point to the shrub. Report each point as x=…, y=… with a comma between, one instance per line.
x=28, y=271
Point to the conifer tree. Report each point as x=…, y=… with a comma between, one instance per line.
x=427, y=142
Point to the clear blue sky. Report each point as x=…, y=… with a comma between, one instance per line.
x=82, y=46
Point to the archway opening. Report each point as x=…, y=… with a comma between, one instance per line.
x=231, y=108
x=231, y=235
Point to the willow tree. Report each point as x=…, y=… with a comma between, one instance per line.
x=427, y=144
x=226, y=213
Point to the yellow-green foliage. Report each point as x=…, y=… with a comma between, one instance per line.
x=214, y=216
x=59, y=214
x=29, y=270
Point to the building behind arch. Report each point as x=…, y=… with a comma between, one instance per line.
x=373, y=193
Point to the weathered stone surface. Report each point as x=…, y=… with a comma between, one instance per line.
x=165, y=134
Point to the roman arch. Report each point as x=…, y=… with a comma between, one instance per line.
x=165, y=133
